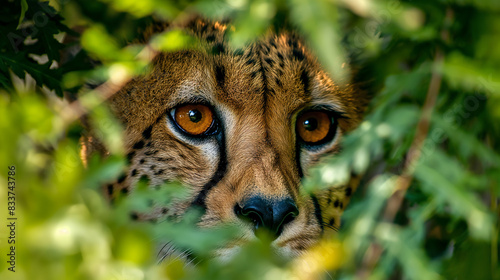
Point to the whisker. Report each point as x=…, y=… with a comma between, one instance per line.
x=188, y=255
x=161, y=250
x=169, y=252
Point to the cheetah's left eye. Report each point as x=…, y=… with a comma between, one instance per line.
x=194, y=119
x=316, y=127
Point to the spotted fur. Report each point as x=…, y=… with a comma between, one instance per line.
x=257, y=93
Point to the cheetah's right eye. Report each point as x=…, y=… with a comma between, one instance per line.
x=194, y=119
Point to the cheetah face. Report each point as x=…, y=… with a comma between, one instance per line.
x=240, y=128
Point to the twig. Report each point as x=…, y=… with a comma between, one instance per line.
x=404, y=181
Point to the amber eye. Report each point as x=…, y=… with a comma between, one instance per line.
x=195, y=119
x=315, y=126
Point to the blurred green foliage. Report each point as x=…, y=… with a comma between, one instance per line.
x=446, y=227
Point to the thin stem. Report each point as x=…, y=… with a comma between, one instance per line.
x=403, y=182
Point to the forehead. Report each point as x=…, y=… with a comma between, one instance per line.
x=275, y=71
x=275, y=75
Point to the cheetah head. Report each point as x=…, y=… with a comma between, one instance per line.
x=240, y=128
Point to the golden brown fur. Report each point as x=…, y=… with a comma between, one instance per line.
x=257, y=93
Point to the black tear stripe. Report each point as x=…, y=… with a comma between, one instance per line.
x=297, y=160
x=221, y=167
x=200, y=199
x=317, y=212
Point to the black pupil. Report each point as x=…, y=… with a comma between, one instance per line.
x=195, y=115
x=311, y=124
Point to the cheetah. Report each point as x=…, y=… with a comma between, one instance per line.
x=240, y=128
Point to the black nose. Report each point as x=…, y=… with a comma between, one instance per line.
x=272, y=214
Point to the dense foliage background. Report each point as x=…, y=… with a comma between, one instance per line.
x=428, y=148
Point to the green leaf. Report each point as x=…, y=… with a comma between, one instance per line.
x=463, y=202
x=42, y=73
x=24, y=8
